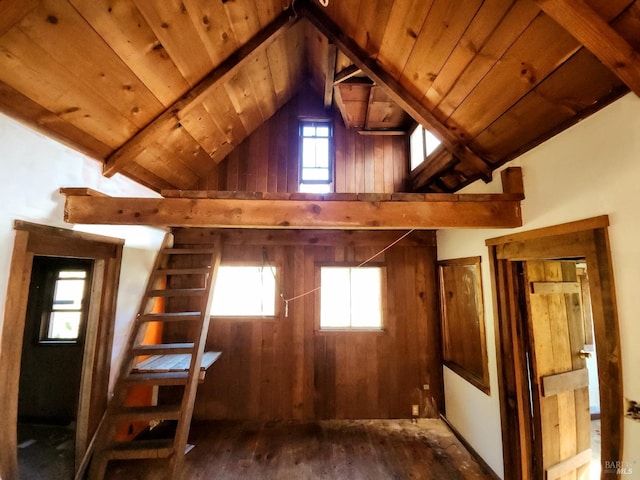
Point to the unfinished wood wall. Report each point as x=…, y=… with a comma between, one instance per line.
x=267, y=161
x=283, y=368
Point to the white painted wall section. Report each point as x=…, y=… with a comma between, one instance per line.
x=590, y=169
x=32, y=170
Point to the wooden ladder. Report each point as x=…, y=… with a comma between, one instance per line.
x=184, y=278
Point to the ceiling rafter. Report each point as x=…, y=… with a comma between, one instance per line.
x=170, y=117
x=593, y=31
x=394, y=89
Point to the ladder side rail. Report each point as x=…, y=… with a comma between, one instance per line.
x=188, y=400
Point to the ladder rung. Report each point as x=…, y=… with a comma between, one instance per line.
x=149, y=412
x=163, y=349
x=171, y=317
x=189, y=251
x=141, y=449
x=183, y=271
x=157, y=378
x=177, y=292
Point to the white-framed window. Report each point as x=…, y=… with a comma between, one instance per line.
x=316, y=159
x=351, y=298
x=244, y=291
x=422, y=143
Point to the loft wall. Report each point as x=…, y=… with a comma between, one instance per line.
x=267, y=161
x=284, y=368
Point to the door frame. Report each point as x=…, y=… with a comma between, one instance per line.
x=586, y=239
x=31, y=240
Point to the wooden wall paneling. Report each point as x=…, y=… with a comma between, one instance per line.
x=372, y=18
x=174, y=28
x=243, y=97
x=202, y=127
x=478, y=32
x=403, y=28
x=559, y=106
x=117, y=83
x=517, y=20
x=212, y=26
x=442, y=30
x=25, y=64
x=517, y=62
x=152, y=159
x=145, y=177
x=126, y=31
x=37, y=117
x=221, y=109
x=259, y=72
x=279, y=70
x=293, y=148
x=243, y=17
x=379, y=163
x=289, y=370
x=185, y=150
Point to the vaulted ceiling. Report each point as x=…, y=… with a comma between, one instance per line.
x=163, y=90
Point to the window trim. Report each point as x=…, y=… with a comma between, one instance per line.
x=49, y=278
x=277, y=308
x=302, y=122
x=425, y=157
x=319, y=329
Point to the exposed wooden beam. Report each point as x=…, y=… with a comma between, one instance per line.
x=394, y=89
x=347, y=73
x=382, y=132
x=169, y=119
x=332, y=55
x=593, y=31
x=442, y=211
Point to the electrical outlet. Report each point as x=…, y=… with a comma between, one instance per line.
x=415, y=410
x=425, y=386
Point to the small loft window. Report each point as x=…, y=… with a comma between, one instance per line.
x=244, y=291
x=316, y=172
x=422, y=143
x=65, y=304
x=351, y=298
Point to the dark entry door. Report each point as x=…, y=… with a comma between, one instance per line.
x=53, y=344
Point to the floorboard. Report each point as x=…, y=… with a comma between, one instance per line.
x=331, y=449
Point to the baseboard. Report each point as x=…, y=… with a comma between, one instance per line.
x=473, y=453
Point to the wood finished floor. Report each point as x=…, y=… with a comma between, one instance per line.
x=332, y=449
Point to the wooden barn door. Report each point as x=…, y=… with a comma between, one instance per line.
x=559, y=375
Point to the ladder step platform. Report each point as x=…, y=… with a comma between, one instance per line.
x=148, y=413
x=174, y=363
x=156, y=378
x=171, y=317
x=163, y=349
x=140, y=449
x=183, y=271
x=178, y=292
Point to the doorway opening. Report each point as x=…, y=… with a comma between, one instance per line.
x=51, y=366
x=91, y=331
x=555, y=306
x=549, y=284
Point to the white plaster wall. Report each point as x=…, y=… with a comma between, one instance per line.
x=32, y=170
x=589, y=170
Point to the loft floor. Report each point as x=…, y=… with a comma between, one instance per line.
x=331, y=449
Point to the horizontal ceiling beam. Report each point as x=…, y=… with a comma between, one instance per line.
x=593, y=31
x=445, y=211
x=170, y=118
x=394, y=89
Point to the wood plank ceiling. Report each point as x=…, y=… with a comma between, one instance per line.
x=162, y=91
